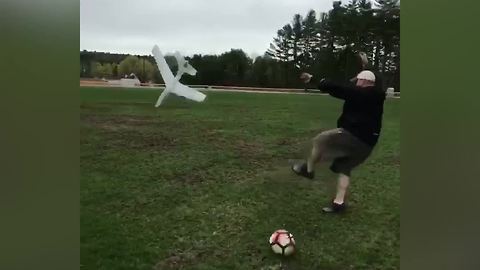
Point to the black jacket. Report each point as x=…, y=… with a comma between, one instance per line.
x=362, y=110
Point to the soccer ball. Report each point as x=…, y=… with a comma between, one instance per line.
x=282, y=242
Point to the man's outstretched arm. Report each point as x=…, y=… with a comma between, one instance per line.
x=334, y=89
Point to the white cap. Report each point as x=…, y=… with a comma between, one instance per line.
x=366, y=75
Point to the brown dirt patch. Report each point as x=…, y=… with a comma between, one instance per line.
x=118, y=122
x=248, y=149
x=134, y=132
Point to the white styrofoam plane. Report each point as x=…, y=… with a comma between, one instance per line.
x=173, y=84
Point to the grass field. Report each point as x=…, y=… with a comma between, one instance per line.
x=203, y=185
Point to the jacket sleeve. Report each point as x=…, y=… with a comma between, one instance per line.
x=338, y=90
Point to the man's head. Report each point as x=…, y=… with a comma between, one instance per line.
x=365, y=78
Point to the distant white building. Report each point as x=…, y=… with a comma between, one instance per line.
x=390, y=92
x=128, y=81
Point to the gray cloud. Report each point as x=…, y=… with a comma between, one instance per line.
x=189, y=26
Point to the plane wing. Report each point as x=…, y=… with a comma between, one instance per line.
x=167, y=74
x=190, y=93
x=181, y=90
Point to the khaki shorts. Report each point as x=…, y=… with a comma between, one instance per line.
x=342, y=148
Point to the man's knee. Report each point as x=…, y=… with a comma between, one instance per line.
x=326, y=137
x=319, y=142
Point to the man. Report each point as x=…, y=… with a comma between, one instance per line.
x=357, y=132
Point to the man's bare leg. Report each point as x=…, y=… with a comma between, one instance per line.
x=342, y=186
x=338, y=204
x=314, y=158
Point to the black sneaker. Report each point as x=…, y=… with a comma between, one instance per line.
x=334, y=208
x=302, y=170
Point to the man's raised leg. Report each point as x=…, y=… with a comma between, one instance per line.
x=308, y=169
x=315, y=156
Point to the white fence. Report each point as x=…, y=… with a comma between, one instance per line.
x=134, y=83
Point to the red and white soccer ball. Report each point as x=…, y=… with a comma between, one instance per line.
x=282, y=242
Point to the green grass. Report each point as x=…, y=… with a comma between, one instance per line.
x=203, y=185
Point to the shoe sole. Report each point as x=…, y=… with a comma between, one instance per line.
x=299, y=174
x=330, y=210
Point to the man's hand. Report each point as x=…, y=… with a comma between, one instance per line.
x=363, y=59
x=306, y=77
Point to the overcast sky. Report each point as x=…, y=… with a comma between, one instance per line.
x=188, y=26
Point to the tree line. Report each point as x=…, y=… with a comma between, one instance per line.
x=323, y=44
